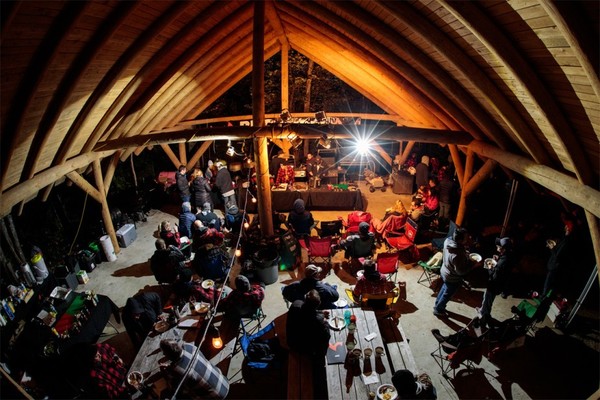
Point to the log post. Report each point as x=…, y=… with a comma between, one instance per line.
x=458, y=166
x=462, y=205
x=108, y=225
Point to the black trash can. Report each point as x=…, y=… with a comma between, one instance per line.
x=266, y=263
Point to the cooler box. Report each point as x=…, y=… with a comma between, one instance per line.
x=126, y=235
x=87, y=260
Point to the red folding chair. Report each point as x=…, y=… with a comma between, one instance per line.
x=320, y=251
x=404, y=241
x=387, y=264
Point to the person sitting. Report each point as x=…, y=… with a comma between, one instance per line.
x=186, y=219
x=211, y=262
x=244, y=300
x=203, y=380
x=372, y=282
x=297, y=290
x=300, y=219
x=306, y=328
x=203, y=236
x=234, y=219
x=360, y=245
x=410, y=386
x=187, y=288
x=208, y=217
x=417, y=208
x=166, y=262
x=139, y=315
x=170, y=236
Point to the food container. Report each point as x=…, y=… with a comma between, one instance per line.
x=387, y=392
x=475, y=257
x=489, y=263
x=135, y=379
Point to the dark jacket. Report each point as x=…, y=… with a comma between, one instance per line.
x=307, y=331
x=300, y=219
x=209, y=218
x=182, y=184
x=498, y=276
x=223, y=181
x=186, y=219
x=297, y=290
x=166, y=264
x=201, y=189
x=149, y=306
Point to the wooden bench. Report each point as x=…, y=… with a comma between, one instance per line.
x=300, y=376
x=398, y=350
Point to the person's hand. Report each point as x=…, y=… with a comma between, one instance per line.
x=495, y=257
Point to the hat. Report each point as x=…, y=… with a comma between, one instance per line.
x=312, y=271
x=233, y=210
x=405, y=383
x=299, y=206
x=134, y=306
x=242, y=283
x=363, y=228
x=505, y=243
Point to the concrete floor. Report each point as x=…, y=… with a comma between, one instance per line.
x=522, y=373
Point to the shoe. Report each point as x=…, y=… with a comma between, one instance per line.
x=440, y=314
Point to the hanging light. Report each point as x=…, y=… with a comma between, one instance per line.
x=238, y=252
x=217, y=342
x=246, y=226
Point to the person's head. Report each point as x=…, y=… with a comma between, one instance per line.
x=220, y=164
x=232, y=209
x=210, y=163
x=160, y=244
x=165, y=226
x=312, y=271
x=198, y=173
x=504, y=244
x=363, y=228
x=370, y=268
x=186, y=207
x=299, y=206
x=206, y=207
x=171, y=348
x=433, y=182
x=242, y=283
x=312, y=299
x=318, y=159
x=182, y=169
x=134, y=307
x=405, y=383
x=460, y=235
x=309, y=156
x=425, y=160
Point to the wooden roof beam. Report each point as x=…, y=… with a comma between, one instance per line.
x=275, y=22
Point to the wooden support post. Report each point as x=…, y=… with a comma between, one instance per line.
x=409, y=145
x=110, y=170
x=171, y=155
x=479, y=177
x=463, y=194
x=108, y=225
x=201, y=150
x=183, y=153
x=285, y=76
x=595, y=235
x=458, y=166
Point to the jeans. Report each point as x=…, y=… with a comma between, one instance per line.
x=488, y=300
x=446, y=292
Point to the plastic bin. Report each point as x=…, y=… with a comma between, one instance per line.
x=266, y=262
x=126, y=235
x=108, y=248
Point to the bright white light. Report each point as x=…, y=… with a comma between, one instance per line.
x=362, y=146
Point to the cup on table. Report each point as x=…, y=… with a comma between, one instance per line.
x=347, y=315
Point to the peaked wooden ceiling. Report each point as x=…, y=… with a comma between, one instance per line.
x=519, y=76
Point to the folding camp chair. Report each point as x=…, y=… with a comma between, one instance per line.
x=431, y=268
x=457, y=349
x=330, y=228
x=534, y=310
x=320, y=251
x=404, y=241
x=256, y=361
x=252, y=322
x=387, y=264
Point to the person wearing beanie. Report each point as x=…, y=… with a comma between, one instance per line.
x=186, y=219
x=372, y=282
x=234, y=218
x=410, y=386
x=297, y=290
x=224, y=183
x=361, y=245
x=244, y=300
x=139, y=315
x=300, y=220
x=498, y=277
x=422, y=174
x=208, y=217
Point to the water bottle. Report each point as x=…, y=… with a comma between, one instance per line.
x=28, y=275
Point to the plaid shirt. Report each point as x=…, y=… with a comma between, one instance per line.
x=379, y=285
x=204, y=379
x=243, y=303
x=108, y=373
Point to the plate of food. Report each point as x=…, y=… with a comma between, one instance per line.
x=387, y=392
x=489, y=263
x=135, y=379
x=475, y=257
x=208, y=283
x=161, y=326
x=201, y=308
x=341, y=303
x=337, y=323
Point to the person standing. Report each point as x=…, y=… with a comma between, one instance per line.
x=456, y=264
x=446, y=187
x=422, y=174
x=201, y=188
x=224, y=183
x=498, y=277
x=183, y=186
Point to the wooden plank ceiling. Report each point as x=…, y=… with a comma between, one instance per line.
x=520, y=75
